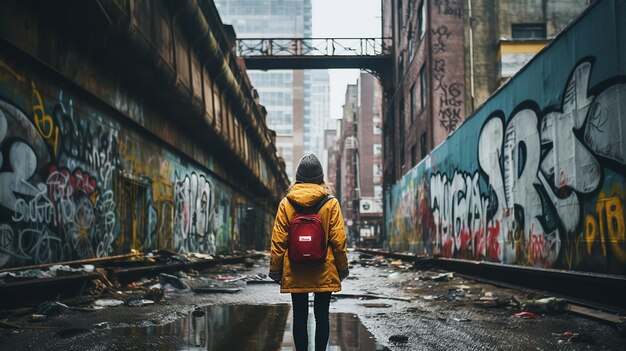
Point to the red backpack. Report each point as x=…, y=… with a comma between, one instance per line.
x=306, y=238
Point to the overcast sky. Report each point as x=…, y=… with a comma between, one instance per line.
x=348, y=19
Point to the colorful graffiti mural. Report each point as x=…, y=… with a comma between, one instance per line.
x=536, y=177
x=77, y=183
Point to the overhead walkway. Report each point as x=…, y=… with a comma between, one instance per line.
x=372, y=54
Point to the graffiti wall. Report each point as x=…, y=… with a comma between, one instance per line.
x=77, y=182
x=536, y=176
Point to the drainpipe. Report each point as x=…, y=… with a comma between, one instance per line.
x=471, y=49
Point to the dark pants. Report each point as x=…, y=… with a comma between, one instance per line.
x=300, y=303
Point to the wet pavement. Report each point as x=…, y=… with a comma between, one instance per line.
x=220, y=327
x=384, y=305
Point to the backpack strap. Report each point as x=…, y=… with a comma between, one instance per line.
x=311, y=210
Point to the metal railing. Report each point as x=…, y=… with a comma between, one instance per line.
x=313, y=47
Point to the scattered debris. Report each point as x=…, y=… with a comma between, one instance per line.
x=155, y=294
x=259, y=279
x=394, y=275
x=526, y=315
x=173, y=281
x=397, y=262
x=575, y=337
x=546, y=305
x=430, y=297
x=399, y=339
x=38, y=318
x=108, y=303
x=249, y=263
x=443, y=277
x=135, y=302
x=461, y=319
x=101, y=325
x=52, y=308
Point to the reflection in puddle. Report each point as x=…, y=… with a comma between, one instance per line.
x=254, y=327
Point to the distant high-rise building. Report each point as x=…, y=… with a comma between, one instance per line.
x=360, y=159
x=296, y=100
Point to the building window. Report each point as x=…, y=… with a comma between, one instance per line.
x=423, y=144
x=377, y=124
x=421, y=24
x=528, y=30
x=413, y=107
x=400, y=19
x=378, y=191
x=413, y=155
x=422, y=88
x=410, y=40
x=401, y=66
x=378, y=149
x=378, y=170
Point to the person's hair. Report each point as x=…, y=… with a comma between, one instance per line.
x=322, y=184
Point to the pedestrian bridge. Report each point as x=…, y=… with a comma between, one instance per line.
x=315, y=53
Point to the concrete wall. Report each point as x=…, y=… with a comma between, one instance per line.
x=536, y=176
x=92, y=166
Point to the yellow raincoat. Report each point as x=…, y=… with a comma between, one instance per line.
x=309, y=277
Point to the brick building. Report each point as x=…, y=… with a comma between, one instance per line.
x=449, y=56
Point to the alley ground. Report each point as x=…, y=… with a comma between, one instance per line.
x=385, y=305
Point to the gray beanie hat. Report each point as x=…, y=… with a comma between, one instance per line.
x=310, y=170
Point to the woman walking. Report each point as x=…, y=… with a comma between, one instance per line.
x=292, y=270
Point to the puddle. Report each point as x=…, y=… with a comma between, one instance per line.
x=253, y=327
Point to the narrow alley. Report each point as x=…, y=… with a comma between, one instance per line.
x=387, y=304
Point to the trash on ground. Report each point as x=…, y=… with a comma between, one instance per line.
x=430, y=297
x=154, y=294
x=38, y=317
x=399, y=339
x=52, y=308
x=461, y=319
x=394, y=275
x=173, y=281
x=575, y=337
x=397, y=262
x=101, y=325
x=443, y=277
x=139, y=302
x=526, y=315
x=108, y=303
x=546, y=305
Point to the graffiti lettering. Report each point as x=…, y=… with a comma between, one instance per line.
x=607, y=226
x=459, y=213
x=445, y=7
x=193, y=213
x=440, y=36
